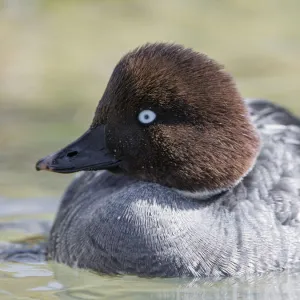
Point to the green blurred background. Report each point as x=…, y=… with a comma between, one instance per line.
x=56, y=58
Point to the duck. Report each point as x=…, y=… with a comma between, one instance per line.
x=179, y=175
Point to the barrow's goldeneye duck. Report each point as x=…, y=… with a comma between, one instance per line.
x=182, y=176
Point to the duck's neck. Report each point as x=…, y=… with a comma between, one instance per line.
x=205, y=194
x=202, y=194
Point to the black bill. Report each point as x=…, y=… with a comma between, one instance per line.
x=89, y=152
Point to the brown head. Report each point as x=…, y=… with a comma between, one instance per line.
x=169, y=115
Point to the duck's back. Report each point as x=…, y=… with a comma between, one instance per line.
x=266, y=113
x=277, y=171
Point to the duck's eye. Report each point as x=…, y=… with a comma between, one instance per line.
x=147, y=116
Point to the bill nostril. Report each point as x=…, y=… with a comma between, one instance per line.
x=72, y=153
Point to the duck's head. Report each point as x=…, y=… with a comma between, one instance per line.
x=168, y=115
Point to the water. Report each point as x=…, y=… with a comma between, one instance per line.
x=55, y=60
x=47, y=282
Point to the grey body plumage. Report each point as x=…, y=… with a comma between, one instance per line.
x=114, y=224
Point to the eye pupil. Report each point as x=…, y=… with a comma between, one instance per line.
x=146, y=117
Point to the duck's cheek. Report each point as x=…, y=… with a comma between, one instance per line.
x=113, y=142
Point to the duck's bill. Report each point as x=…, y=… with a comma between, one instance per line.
x=89, y=152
